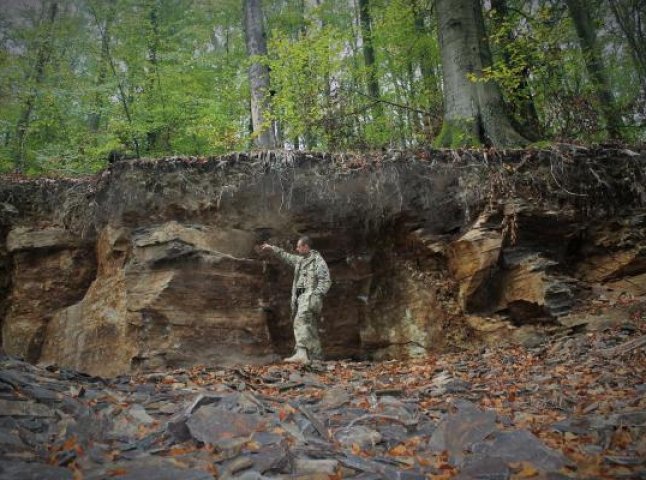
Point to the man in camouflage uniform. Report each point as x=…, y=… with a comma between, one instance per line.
x=311, y=283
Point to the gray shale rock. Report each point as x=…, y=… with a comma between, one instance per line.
x=522, y=446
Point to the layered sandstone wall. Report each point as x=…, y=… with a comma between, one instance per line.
x=153, y=263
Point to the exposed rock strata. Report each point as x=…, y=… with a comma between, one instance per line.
x=152, y=263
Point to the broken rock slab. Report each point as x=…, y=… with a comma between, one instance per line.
x=213, y=425
x=461, y=429
x=16, y=469
x=522, y=446
x=24, y=409
x=359, y=435
x=484, y=468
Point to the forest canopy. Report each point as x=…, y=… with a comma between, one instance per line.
x=83, y=82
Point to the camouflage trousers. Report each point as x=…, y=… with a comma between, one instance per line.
x=306, y=321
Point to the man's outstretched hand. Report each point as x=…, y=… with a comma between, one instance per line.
x=265, y=247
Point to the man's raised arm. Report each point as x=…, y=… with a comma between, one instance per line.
x=289, y=258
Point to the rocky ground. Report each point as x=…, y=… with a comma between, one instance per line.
x=571, y=407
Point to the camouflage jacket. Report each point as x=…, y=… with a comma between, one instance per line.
x=310, y=273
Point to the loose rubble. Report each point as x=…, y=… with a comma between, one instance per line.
x=571, y=407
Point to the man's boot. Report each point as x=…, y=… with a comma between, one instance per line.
x=299, y=357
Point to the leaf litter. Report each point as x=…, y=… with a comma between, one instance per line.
x=572, y=407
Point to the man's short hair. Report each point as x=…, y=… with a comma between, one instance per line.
x=305, y=240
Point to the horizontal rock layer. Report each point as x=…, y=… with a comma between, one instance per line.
x=153, y=264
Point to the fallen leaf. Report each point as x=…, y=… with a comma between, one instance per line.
x=523, y=470
x=400, y=451
x=117, y=472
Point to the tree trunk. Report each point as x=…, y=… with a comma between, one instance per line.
x=365, y=21
x=429, y=80
x=156, y=136
x=524, y=108
x=42, y=59
x=258, y=75
x=473, y=110
x=94, y=119
x=585, y=30
x=105, y=39
x=631, y=17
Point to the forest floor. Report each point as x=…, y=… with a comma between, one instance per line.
x=573, y=407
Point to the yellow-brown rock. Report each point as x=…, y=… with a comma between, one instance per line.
x=154, y=264
x=474, y=263
x=50, y=270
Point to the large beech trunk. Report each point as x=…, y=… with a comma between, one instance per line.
x=258, y=75
x=473, y=110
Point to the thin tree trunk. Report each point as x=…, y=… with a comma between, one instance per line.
x=38, y=74
x=122, y=94
x=525, y=109
x=94, y=120
x=473, y=110
x=258, y=75
x=330, y=122
x=429, y=80
x=152, y=135
x=631, y=17
x=309, y=137
x=155, y=135
x=365, y=21
x=585, y=30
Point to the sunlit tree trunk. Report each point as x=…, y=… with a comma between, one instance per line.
x=473, y=110
x=43, y=56
x=258, y=75
x=580, y=13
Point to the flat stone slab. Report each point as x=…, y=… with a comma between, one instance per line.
x=484, y=468
x=10, y=408
x=14, y=470
x=359, y=435
x=213, y=425
x=164, y=473
x=522, y=446
x=461, y=429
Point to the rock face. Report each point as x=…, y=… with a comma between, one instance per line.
x=170, y=295
x=154, y=264
x=50, y=270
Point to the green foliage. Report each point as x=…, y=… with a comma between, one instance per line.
x=172, y=83
x=173, y=79
x=537, y=60
x=301, y=76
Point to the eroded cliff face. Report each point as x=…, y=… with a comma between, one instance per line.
x=154, y=263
